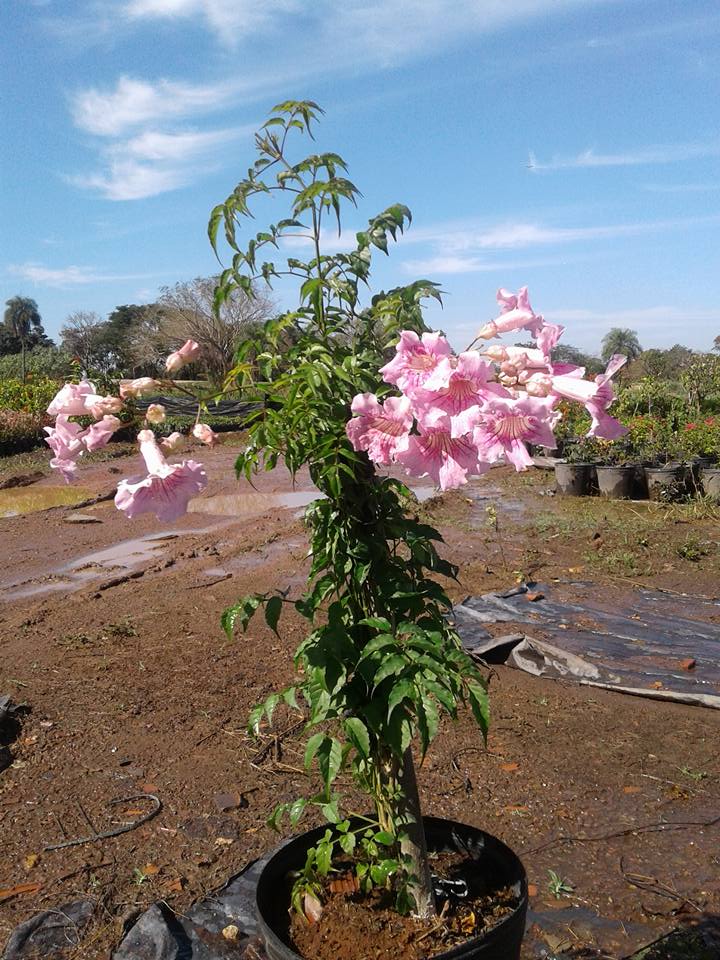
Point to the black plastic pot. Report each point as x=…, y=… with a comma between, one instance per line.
x=668, y=483
x=711, y=482
x=493, y=858
x=616, y=483
x=575, y=479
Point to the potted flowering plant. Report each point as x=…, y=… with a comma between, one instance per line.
x=360, y=388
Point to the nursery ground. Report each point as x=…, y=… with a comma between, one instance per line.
x=110, y=637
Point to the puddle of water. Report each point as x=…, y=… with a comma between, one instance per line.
x=17, y=501
x=243, y=505
x=120, y=557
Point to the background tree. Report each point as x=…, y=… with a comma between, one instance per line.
x=716, y=343
x=22, y=328
x=662, y=364
x=82, y=336
x=185, y=312
x=620, y=340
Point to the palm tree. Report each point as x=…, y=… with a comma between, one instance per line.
x=21, y=318
x=623, y=341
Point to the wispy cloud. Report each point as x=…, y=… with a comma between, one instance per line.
x=380, y=28
x=651, y=318
x=670, y=153
x=154, y=162
x=71, y=276
x=681, y=187
x=467, y=239
x=133, y=102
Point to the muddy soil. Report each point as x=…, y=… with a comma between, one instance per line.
x=110, y=634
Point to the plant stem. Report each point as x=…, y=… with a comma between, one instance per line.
x=399, y=809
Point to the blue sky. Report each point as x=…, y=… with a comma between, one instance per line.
x=573, y=145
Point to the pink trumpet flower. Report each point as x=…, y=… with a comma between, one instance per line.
x=596, y=396
x=188, y=352
x=515, y=314
x=103, y=406
x=65, y=439
x=381, y=429
x=98, y=434
x=435, y=453
x=507, y=424
x=455, y=386
x=140, y=387
x=69, y=401
x=205, y=434
x=166, y=490
x=415, y=359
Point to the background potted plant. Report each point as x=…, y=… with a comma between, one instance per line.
x=576, y=476
x=617, y=467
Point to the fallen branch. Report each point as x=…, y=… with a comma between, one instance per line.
x=629, y=832
x=116, y=831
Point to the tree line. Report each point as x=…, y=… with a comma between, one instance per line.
x=134, y=339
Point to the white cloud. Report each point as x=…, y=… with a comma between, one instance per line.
x=132, y=103
x=70, y=276
x=670, y=153
x=226, y=17
x=459, y=243
x=154, y=162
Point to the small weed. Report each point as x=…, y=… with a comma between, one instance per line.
x=123, y=628
x=138, y=877
x=696, y=775
x=692, y=549
x=558, y=886
x=543, y=701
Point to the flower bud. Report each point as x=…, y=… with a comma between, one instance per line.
x=205, y=434
x=138, y=388
x=155, y=413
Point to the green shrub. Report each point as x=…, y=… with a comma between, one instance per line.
x=20, y=431
x=40, y=363
x=31, y=397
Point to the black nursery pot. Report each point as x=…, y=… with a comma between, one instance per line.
x=575, y=479
x=493, y=858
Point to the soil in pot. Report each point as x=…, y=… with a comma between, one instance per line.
x=616, y=483
x=575, y=479
x=482, y=898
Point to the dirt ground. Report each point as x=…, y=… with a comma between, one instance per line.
x=110, y=636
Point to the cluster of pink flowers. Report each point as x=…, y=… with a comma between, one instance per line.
x=167, y=488
x=459, y=414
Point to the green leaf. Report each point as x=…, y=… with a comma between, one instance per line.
x=330, y=811
x=323, y=857
x=273, y=609
x=296, y=811
x=313, y=745
x=358, y=735
x=379, y=623
x=390, y=667
x=347, y=842
x=385, y=838
x=403, y=690
x=241, y=612
x=480, y=706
